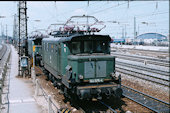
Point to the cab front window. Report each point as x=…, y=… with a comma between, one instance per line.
x=100, y=47
x=88, y=47
x=75, y=47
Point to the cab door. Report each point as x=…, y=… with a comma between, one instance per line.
x=89, y=69
x=59, y=58
x=100, y=69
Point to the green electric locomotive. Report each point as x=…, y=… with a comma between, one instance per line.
x=35, y=41
x=79, y=62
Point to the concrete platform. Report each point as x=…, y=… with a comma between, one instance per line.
x=21, y=90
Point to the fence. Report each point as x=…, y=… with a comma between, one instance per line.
x=52, y=108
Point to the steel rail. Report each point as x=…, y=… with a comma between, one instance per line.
x=141, y=57
x=8, y=60
x=144, y=74
x=3, y=51
x=146, y=95
x=107, y=106
x=158, y=101
x=130, y=74
x=1, y=46
x=142, y=60
x=132, y=49
x=6, y=70
x=161, y=72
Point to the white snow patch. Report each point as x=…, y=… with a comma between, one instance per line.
x=157, y=48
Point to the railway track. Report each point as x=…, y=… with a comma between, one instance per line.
x=110, y=108
x=3, y=51
x=142, y=76
x=138, y=97
x=145, y=100
x=141, y=50
x=143, y=68
x=149, y=60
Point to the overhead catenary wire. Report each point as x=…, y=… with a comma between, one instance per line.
x=109, y=5
x=131, y=6
x=78, y=8
x=107, y=8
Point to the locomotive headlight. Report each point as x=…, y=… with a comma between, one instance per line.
x=81, y=77
x=113, y=75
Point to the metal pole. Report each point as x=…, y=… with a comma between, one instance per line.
x=49, y=104
x=134, y=27
x=134, y=30
x=22, y=30
x=15, y=31
x=138, y=29
x=122, y=32
x=19, y=67
x=125, y=31
x=1, y=28
x=33, y=64
x=33, y=68
x=6, y=34
x=33, y=60
x=26, y=32
x=37, y=88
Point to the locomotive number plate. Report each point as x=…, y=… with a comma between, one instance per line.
x=95, y=80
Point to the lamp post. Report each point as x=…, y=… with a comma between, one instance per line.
x=123, y=25
x=33, y=75
x=147, y=25
x=37, y=20
x=6, y=34
x=2, y=16
x=144, y=22
x=1, y=25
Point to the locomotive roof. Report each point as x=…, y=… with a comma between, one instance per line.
x=77, y=37
x=81, y=36
x=51, y=39
x=35, y=38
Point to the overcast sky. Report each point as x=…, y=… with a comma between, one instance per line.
x=155, y=13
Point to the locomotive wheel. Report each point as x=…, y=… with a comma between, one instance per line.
x=41, y=63
x=47, y=77
x=67, y=98
x=50, y=76
x=55, y=83
x=74, y=97
x=65, y=92
x=53, y=79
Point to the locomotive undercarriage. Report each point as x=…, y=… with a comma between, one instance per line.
x=38, y=60
x=86, y=91
x=99, y=91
